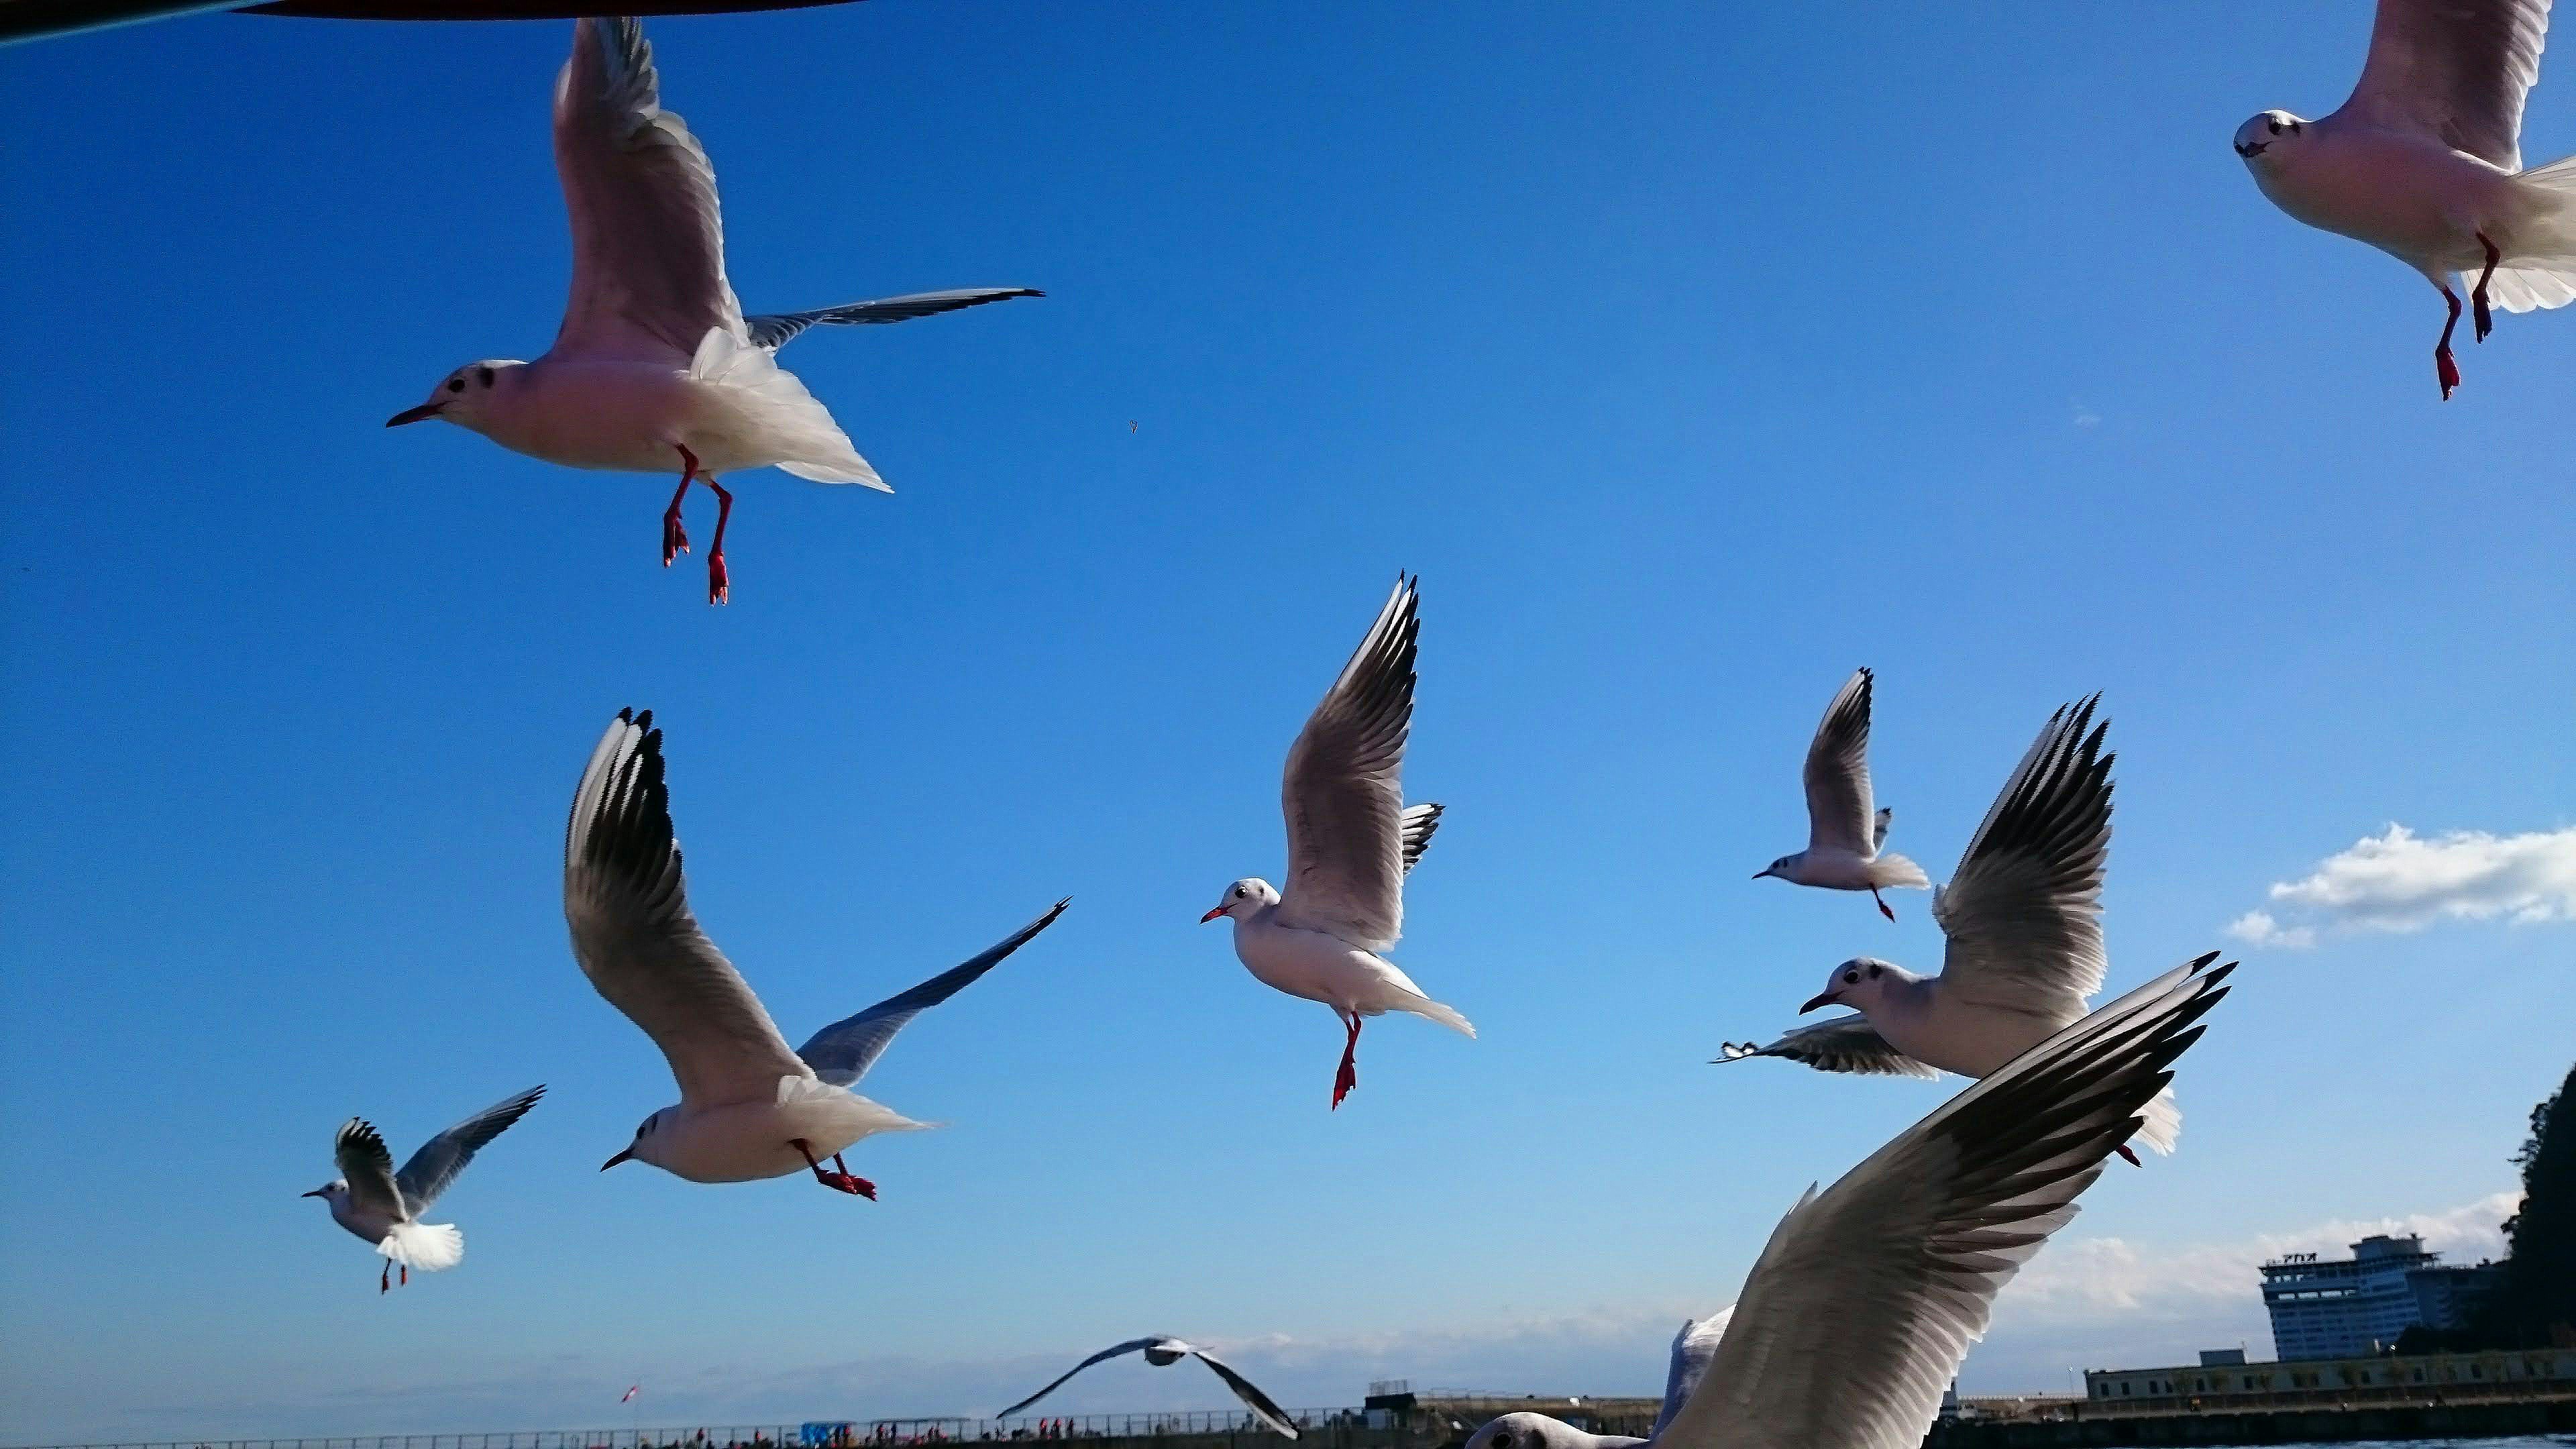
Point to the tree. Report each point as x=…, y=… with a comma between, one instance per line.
x=2535, y=1305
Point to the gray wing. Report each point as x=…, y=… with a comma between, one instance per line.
x=842, y=1052
x=1693, y=1348
x=1862, y=1305
x=1343, y=792
x=2023, y=912
x=1837, y=772
x=648, y=276
x=2456, y=70
x=773, y=329
x=632, y=931
x=368, y=1168
x=1253, y=1398
x=1878, y=828
x=1418, y=824
x=439, y=1159
x=1132, y=1345
x=1836, y=1044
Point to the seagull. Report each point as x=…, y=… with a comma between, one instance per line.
x=2023, y=918
x=2424, y=160
x=1843, y=833
x=655, y=367
x=1865, y=1300
x=1351, y=842
x=383, y=1206
x=749, y=1108
x=1163, y=1352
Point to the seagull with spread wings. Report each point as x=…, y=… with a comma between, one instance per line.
x=1163, y=1352
x=749, y=1108
x=2424, y=161
x=656, y=368
x=1351, y=842
x=1862, y=1305
x=383, y=1206
x=1845, y=829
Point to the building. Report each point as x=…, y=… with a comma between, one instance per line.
x=2449, y=1377
x=2355, y=1307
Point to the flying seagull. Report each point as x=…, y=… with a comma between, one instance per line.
x=1844, y=832
x=656, y=368
x=2424, y=160
x=749, y=1108
x=373, y=1201
x=2023, y=918
x=1351, y=842
x=1163, y=1352
x=1865, y=1300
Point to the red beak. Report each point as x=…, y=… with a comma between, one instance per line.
x=413, y=415
x=1825, y=1000
x=1213, y=913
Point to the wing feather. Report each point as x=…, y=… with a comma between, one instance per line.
x=2023, y=912
x=1839, y=814
x=1343, y=792
x=1836, y=1044
x=368, y=1168
x=773, y=330
x=842, y=1052
x=2456, y=70
x=441, y=1158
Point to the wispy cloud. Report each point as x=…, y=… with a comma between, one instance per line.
x=2401, y=881
x=2082, y=416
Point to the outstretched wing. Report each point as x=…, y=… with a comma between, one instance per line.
x=2455, y=70
x=1261, y=1405
x=1418, y=822
x=1133, y=1345
x=1343, y=792
x=648, y=277
x=1837, y=772
x=1160, y=1351
x=368, y=1168
x=773, y=329
x=1836, y=1044
x=439, y=1159
x=1693, y=1348
x=842, y=1052
x=2023, y=912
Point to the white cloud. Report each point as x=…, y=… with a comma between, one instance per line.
x=2401, y=881
x=2083, y=417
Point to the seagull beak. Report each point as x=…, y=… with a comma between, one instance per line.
x=626, y=1156
x=1827, y=999
x=1759, y=874
x=414, y=415
x=1213, y=913
x=317, y=1192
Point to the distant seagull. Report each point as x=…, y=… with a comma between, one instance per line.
x=2023, y=918
x=656, y=367
x=2424, y=160
x=383, y=1206
x=1866, y=1298
x=1162, y=1353
x=749, y=1108
x=1843, y=833
x=1351, y=842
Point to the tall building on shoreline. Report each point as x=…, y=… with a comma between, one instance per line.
x=2357, y=1306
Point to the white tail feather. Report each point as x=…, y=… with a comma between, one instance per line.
x=1430, y=1010
x=1891, y=871
x=2541, y=272
x=848, y=1109
x=430, y=1247
x=2161, y=1124
x=787, y=417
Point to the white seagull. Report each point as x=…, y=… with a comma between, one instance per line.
x=1351, y=841
x=749, y=1108
x=2424, y=160
x=1844, y=832
x=2023, y=918
x=656, y=368
x=383, y=1206
x=1163, y=1352
x=1864, y=1302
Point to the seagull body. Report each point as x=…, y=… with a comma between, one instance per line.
x=1844, y=828
x=1863, y=1304
x=2023, y=918
x=749, y=1108
x=383, y=1207
x=1163, y=1352
x=656, y=368
x=2424, y=160
x=1351, y=842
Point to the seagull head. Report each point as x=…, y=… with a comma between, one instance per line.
x=2262, y=140
x=334, y=1192
x=1778, y=868
x=1532, y=1431
x=1243, y=898
x=462, y=396
x=1858, y=983
x=646, y=1142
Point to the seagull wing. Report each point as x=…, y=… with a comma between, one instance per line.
x=439, y=1159
x=648, y=276
x=1133, y=1345
x=368, y=1168
x=1865, y=1300
x=1419, y=822
x=842, y=1052
x=2023, y=912
x=632, y=932
x=1344, y=790
x=1836, y=1044
x=1261, y=1405
x=2456, y=70
x=773, y=329
x=1693, y=1348
x=1838, y=803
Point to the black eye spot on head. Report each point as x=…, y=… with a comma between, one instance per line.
x=2274, y=122
x=456, y=384
x=1874, y=970
x=483, y=375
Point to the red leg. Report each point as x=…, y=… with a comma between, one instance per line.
x=2443, y=367
x=1882, y=903
x=2478, y=293
x=384, y=1280
x=717, y=587
x=1349, y=1074
x=2123, y=1150
x=405, y=1280
x=837, y=1181
x=866, y=1188
x=675, y=539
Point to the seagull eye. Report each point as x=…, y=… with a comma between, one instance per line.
x=1850, y=977
x=1503, y=1440
x=456, y=384
x=2274, y=124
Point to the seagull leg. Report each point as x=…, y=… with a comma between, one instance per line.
x=867, y=1189
x=837, y=1181
x=2443, y=367
x=1348, y=1076
x=405, y=1280
x=1882, y=903
x=384, y=1280
x=2124, y=1151
x=717, y=588
x=2478, y=293
x=675, y=539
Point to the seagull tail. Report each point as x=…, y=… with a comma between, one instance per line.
x=429, y=1247
x=1430, y=1010
x=777, y=409
x=2160, y=1123
x=1890, y=871
x=2541, y=272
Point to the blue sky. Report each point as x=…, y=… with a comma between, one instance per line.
x=1691, y=357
